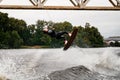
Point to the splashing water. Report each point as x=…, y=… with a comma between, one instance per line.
x=36, y=64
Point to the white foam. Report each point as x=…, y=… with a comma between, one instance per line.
x=34, y=64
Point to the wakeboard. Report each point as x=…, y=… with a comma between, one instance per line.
x=71, y=39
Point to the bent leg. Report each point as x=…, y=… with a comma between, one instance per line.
x=61, y=33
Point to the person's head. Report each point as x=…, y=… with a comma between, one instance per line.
x=45, y=30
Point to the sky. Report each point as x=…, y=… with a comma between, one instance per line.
x=107, y=22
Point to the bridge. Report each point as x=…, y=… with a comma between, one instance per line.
x=76, y=5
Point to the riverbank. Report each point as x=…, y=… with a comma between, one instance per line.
x=34, y=47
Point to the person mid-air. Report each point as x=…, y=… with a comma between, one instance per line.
x=57, y=35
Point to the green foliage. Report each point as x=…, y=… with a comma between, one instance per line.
x=45, y=40
x=96, y=40
x=89, y=37
x=38, y=38
x=81, y=39
x=21, y=27
x=9, y=31
x=14, y=33
x=40, y=24
x=4, y=37
x=15, y=41
x=3, y=21
x=65, y=26
x=10, y=40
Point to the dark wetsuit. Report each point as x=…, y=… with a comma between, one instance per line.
x=57, y=35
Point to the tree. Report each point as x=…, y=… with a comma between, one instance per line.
x=21, y=27
x=40, y=24
x=15, y=40
x=3, y=21
x=67, y=26
x=96, y=38
x=89, y=36
x=63, y=26
x=81, y=39
x=11, y=30
x=45, y=40
x=15, y=32
x=4, y=38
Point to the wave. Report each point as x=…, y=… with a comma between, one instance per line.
x=36, y=64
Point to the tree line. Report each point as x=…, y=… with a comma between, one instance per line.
x=15, y=33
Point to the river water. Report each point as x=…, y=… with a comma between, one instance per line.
x=36, y=64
